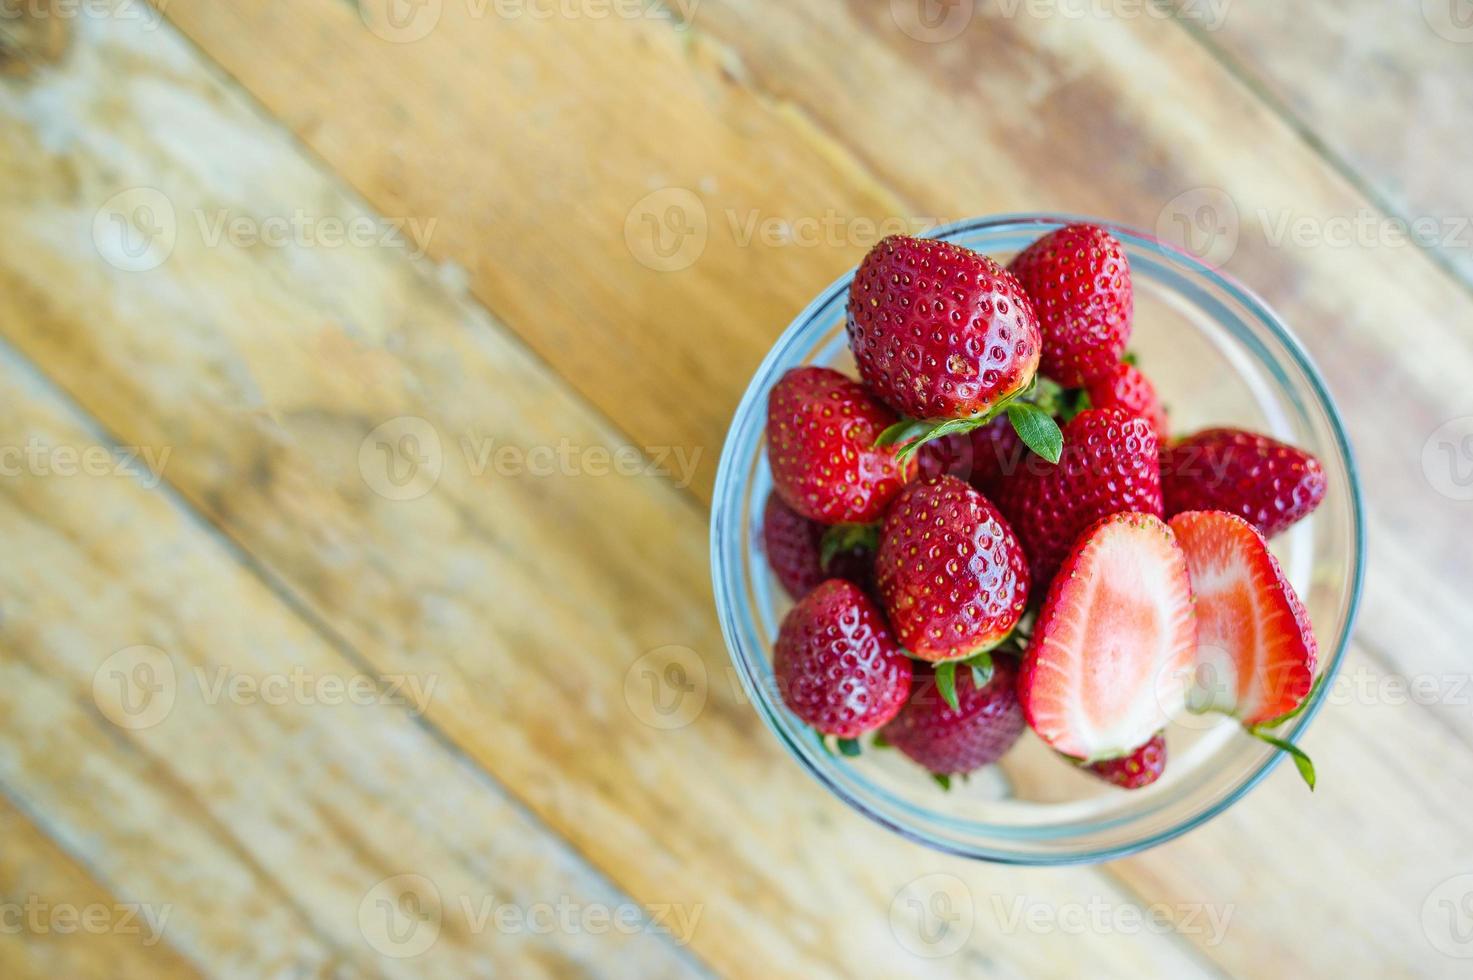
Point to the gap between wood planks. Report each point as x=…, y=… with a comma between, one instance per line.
x=1320, y=147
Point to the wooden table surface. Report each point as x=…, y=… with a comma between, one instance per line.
x=365, y=369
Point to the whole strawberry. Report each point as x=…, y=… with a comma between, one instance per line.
x=979, y=730
x=950, y=572
x=1126, y=387
x=1140, y=768
x=1079, y=281
x=1109, y=465
x=837, y=666
x=794, y=551
x=1263, y=481
x=939, y=331
x=821, y=431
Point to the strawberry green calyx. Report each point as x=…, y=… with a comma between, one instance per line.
x=1034, y=424
x=943, y=780
x=847, y=537
x=981, y=666
x=1302, y=761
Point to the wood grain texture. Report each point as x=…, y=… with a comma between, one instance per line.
x=529, y=143
x=267, y=371
x=60, y=922
x=254, y=787
x=1386, y=90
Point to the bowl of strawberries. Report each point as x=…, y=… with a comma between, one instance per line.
x=1038, y=540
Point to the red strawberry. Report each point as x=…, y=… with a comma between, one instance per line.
x=836, y=663
x=985, y=457
x=1126, y=387
x=1079, y=281
x=1255, y=649
x=979, y=730
x=794, y=547
x=1111, y=654
x=1109, y=465
x=1262, y=481
x=939, y=331
x=949, y=571
x=1140, y=768
x=821, y=431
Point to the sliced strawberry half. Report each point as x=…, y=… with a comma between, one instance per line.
x=1255, y=649
x=1112, y=652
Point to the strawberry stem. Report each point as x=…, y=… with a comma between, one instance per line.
x=1302, y=761
x=1033, y=422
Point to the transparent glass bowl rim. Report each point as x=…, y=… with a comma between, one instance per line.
x=727, y=544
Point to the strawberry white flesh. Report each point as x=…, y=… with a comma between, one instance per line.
x=1255, y=650
x=1112, y=653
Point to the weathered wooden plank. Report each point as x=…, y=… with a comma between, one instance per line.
x=181, y=731
x=59, y=922
x=1387, y=89
x=532, y=596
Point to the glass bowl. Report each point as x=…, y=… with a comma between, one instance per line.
x=1218, y=356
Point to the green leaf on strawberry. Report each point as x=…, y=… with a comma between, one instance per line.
x=942, y=780
x=1037, y=429
x=847, y=537
x=849, y=747
x=946, y=683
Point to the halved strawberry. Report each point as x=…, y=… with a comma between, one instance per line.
x=1140, y=768
x=1255, y=649
x=1111, y=654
